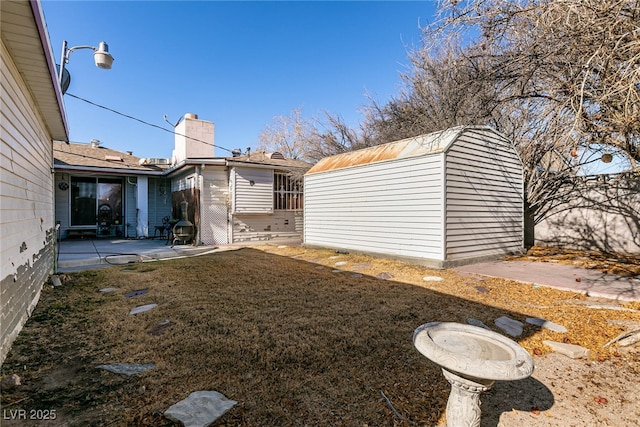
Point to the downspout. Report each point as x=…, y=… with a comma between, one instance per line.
x=56, y=227
x=56, y=248
x=197, y=241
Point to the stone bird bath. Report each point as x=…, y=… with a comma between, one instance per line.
x=471, y=358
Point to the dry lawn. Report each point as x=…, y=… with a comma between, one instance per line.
x=279, y=330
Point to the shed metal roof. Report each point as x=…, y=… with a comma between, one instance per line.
x=431, y=143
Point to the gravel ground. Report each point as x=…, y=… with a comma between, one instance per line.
x=566, y=392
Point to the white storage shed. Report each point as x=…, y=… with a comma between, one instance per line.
x=444, y=199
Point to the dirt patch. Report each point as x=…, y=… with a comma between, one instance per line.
x=299, y=340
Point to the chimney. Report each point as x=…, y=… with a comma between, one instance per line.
x=193, y=139
x=95, y=143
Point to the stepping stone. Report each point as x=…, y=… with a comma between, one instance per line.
x=482, y=289
x=160, y=327
x=432, y=279
x=107, y=290
x=361, y=266
x=478, y=323
x=384, y=276
x=142, y=308
x=355, y=275
x=200, y=409
x=571, y=350
x=319, y=267
x=334, y=257
x=136, y=293
x=282, y=246
x=337, y=271
x=126, y=368
x=10, y=382
x=341, y=263
x=544, y=323
x=509, y=326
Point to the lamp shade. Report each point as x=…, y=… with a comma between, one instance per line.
x=102, y=57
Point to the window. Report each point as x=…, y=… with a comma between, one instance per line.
x=288, y=192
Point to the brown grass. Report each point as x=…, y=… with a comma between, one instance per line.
x=276, y=329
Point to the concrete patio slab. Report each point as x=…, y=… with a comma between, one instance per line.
x=90, y=254
x=590, y=282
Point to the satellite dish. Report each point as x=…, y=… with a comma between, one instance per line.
x=66, y=79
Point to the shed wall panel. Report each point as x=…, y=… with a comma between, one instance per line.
x=484, y=197
x=391, y=207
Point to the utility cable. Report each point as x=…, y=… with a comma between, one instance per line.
x=146, y=123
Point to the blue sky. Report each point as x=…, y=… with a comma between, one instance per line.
x=238, y=64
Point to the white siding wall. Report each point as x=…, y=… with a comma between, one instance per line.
x=142, y=206
x=484, y=205
x=184, y=181
x=159, y=202
x=392, y=207
x=215, y=202
x=62, y=203
x=27, y=211
x=280, y=223
x=252, y=190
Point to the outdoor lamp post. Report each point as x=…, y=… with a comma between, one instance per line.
x=101, y=56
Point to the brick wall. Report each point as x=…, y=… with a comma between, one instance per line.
x=20, y=292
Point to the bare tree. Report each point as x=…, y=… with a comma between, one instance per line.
x=291, y=135
x=445, y=87
x=558, y=77
x=337, y=137
x=579, y=59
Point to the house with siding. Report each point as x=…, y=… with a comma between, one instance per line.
x=443, y=199
x=106, y=193
x=32, y=116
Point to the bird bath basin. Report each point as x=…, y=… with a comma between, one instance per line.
x=471, y=358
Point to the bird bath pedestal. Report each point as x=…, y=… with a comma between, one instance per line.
x=472, y=358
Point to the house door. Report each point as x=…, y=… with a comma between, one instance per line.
x=97, y=202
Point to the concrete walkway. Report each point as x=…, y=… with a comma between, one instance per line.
x=590, y=282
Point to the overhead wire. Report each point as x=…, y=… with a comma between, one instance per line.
x=144, y=122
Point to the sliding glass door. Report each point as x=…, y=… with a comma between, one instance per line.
x=96, y=201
